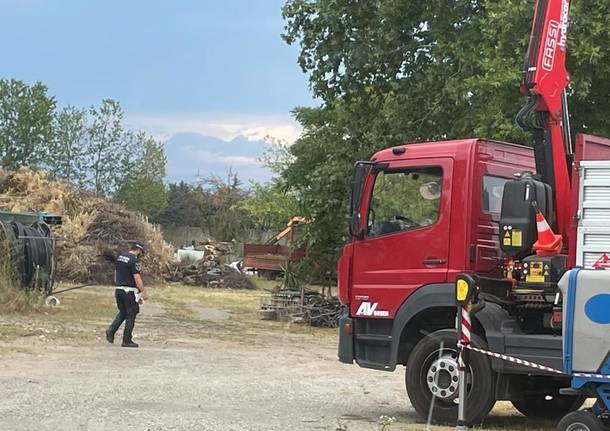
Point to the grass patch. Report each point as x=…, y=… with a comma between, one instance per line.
x=16, y=300
x=83, y=315
x=243, y=306
x=264, y=284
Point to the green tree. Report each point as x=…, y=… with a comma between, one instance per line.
x=395, y=71
x=146, y=197
x=270, y=205
x=224, y=216
x=109, y=148
x=216, y=206
x=143, y=189
x=26, y=123
x=185, y=206
x=66, y=160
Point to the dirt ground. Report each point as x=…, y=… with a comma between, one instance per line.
x=205, y=363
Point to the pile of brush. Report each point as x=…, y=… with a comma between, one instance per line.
x=205, y=273
x=212, y=270
x=301, y=306
x=93, y=231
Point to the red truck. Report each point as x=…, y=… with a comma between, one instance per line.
x=423, y=213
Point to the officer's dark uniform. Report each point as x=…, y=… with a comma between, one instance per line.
x=126, y=266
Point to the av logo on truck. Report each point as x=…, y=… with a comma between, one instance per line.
x=370, y=309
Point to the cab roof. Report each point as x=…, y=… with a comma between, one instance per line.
x=448, y=148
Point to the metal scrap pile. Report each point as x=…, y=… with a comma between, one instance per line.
x=307, y=307
x=213, y=270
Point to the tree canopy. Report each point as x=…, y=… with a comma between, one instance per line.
x=143, y=188
x=26, y=123
x=216, y=206
x=399, y=71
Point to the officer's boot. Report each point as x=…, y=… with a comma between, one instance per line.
x=130, y=322
x=114, y=326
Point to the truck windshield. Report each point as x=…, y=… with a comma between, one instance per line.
x=404, y=200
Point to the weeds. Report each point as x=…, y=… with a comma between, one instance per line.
x=13, y=299
x=291, y=279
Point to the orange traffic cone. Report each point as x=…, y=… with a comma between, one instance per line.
x=548, y=244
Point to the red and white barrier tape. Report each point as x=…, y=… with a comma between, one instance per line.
x=532, y=364
x=591, y=376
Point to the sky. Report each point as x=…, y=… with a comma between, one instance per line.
x=218, y=68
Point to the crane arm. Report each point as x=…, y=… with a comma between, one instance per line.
x=545, y=79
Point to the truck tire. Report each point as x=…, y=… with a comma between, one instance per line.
x=580, y=421
x=432, y=368
x=548, y=406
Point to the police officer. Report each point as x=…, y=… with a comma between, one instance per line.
x=129, y=293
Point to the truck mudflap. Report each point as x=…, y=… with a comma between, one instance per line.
x=346, y=338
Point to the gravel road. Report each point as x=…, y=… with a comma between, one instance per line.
x=256, y=379
x=194, y=385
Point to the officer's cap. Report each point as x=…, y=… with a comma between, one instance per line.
x=139, y=246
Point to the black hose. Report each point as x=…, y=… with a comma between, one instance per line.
x=31, y=253
x=71, y=288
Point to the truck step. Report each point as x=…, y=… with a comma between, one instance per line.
x=374, y=338
x=373, y=365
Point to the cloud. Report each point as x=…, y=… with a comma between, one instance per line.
x=240, y=161
x=227, y=128
x=191, y=156
x=209, y=157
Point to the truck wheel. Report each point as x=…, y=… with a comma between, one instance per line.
x=548, y=406
x=432, y=380
x=580, y=421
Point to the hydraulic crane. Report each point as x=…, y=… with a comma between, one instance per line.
x=545, y=80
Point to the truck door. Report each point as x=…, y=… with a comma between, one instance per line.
x=406, y=240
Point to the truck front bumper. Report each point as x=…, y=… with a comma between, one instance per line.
x=346, y=338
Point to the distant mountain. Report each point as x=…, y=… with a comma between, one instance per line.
x=190, y=153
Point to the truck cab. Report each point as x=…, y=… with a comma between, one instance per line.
x=421, y=215
x=427, y=213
